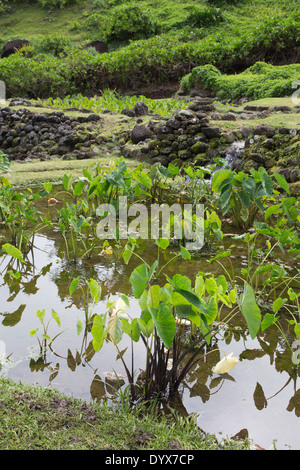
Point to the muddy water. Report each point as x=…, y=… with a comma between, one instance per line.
x=261, y=397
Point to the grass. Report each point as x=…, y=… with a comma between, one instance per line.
x=36, y=418
x=23, y=174
x=290, y=120
x=32, y=21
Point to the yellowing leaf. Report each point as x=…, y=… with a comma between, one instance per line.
x=225, y=365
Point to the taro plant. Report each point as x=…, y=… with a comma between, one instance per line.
x=19, y=215
x=72, y=228
x=165, y=308
x=243, y=196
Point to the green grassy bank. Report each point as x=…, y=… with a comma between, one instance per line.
x=34, y=418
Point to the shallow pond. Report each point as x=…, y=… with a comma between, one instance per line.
x=260, y=398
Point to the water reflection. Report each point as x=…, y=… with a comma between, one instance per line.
x=261, y=397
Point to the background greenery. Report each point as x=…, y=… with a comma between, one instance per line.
x=149, y=42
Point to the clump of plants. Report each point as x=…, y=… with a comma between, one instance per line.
x=201, y=18
x=258, y=81
x=113, y=101
x=55, y=44
x=56, y=3
x=129, y=21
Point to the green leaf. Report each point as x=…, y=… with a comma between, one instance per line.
x=165, y=324
x=268, y=320
x=272, y=210
x=266, y=181
x=297, y=330
x=250, y=310
x=139, y=280
x=185, y=253
x=13, y=251
x=162, y=243
x=277, y=304
x=192, y=298
x=282, y=182
x=146, y=327
x=132, y=329
x=79, y=327
x=95, y=290
x=48, y=186
x=56, y=317
x=78, y=188
x=73, y=285
x=125, y=299
x=98, y=332
x=41, y=315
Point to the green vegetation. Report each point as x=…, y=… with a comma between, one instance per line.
x=129, y=21
x=167, y=56
x=113, y=101
x=33, y=418
x=229, y=46
x=208, y=305
x=261, y=80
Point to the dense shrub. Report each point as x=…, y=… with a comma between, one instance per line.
x=55, y=44
x=155, y=60
x=207, y=17
x=259, y=81
x=3, y=5
x=129, y=21
x=222, y=3
x=56, y=3
x=33, y=78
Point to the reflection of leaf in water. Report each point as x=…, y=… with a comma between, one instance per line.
x=71, y=361
x=216, y=382
x=89, y=352
x=97, y=388
x=294, y=403
x=11, y=319
x=38, y=365
x=251, y=354
x=30, y=286
x=283, y=362
x=259, y=397
x=200, y=390
x=46, y=269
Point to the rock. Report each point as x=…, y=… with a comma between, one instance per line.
x=282, y=109
x=12, y=46
x=264, y=129
x=100, y=46
x=140, y=109
x=216, y=116
x=250, y=107
x=229, y=117
x=128, y=112
x=246, y=131
x=19, y=102
x=140, y=133
x=211, y=132
x=269, y=144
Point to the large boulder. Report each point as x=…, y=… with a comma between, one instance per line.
x=140, y=133
x=100, y=46
x=12, y=46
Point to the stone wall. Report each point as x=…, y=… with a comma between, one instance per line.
x=25, y=135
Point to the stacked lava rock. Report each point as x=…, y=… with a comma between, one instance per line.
x=25, y=135
x=184, y=137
